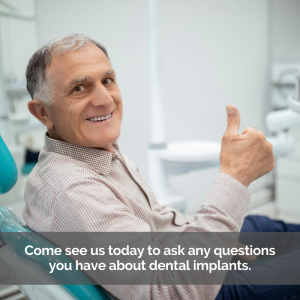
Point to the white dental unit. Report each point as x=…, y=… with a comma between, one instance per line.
x=287, y=179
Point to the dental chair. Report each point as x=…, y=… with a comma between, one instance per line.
x=17, y=263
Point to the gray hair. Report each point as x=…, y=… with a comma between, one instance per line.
x=38, y=84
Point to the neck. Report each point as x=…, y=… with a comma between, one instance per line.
x=55, y=136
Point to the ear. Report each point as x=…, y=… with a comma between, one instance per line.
x=41, y=111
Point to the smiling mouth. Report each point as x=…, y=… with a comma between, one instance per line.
x=100, y=118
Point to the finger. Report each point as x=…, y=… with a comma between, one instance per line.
x=249, y=129
x=233, y=120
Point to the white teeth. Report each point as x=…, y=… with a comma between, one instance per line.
x=100, y=118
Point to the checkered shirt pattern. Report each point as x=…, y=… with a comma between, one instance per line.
x=78, y=189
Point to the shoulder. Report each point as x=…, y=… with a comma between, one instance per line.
x=58, y=172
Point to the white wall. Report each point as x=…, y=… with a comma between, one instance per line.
x=214, y=53
x=285, y=24
x=19, y=41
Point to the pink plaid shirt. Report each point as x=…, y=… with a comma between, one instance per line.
x=78, y=189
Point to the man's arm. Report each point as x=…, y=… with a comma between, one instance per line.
x=90, y=206
x=224, y=207
x=98, y=208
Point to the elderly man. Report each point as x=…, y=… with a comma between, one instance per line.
x=83, y=182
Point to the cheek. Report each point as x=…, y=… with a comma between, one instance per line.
x=56, y=117
x=72, y=116
x=74, y=120
x=64, y=121
x=120, y=106
x=119, y=116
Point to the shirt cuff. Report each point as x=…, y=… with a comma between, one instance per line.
x=230, y=196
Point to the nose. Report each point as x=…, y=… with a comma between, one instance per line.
x=101, y=96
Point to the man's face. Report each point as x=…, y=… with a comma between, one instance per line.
x=84, y=89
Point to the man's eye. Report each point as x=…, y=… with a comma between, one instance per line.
x=108, y=81
x=78, y=88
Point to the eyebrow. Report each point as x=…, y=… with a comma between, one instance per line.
x=84, y=78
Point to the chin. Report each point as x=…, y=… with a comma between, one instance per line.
x=106, y=144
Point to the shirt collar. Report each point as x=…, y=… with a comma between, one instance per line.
x=99, y=159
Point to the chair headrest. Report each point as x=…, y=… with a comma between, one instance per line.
x=8, y=169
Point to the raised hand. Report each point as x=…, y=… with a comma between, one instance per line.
x=245, y=156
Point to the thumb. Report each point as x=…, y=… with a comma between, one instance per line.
x=233, y=120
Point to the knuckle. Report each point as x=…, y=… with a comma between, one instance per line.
x=245, y=131
x=272, y=163
x=269, y=147
x=260, y=135
x=248, y=129
x=271, y=167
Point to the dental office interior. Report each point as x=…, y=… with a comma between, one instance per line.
x=178, y=64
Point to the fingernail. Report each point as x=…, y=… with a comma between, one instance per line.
x=230, y=112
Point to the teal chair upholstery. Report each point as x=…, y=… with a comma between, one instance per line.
x=8, y=169
x=14, y=249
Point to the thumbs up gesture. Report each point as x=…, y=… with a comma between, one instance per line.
x=245, y=156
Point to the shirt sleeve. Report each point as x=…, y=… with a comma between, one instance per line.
x=90, y=206
x=224, y=207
